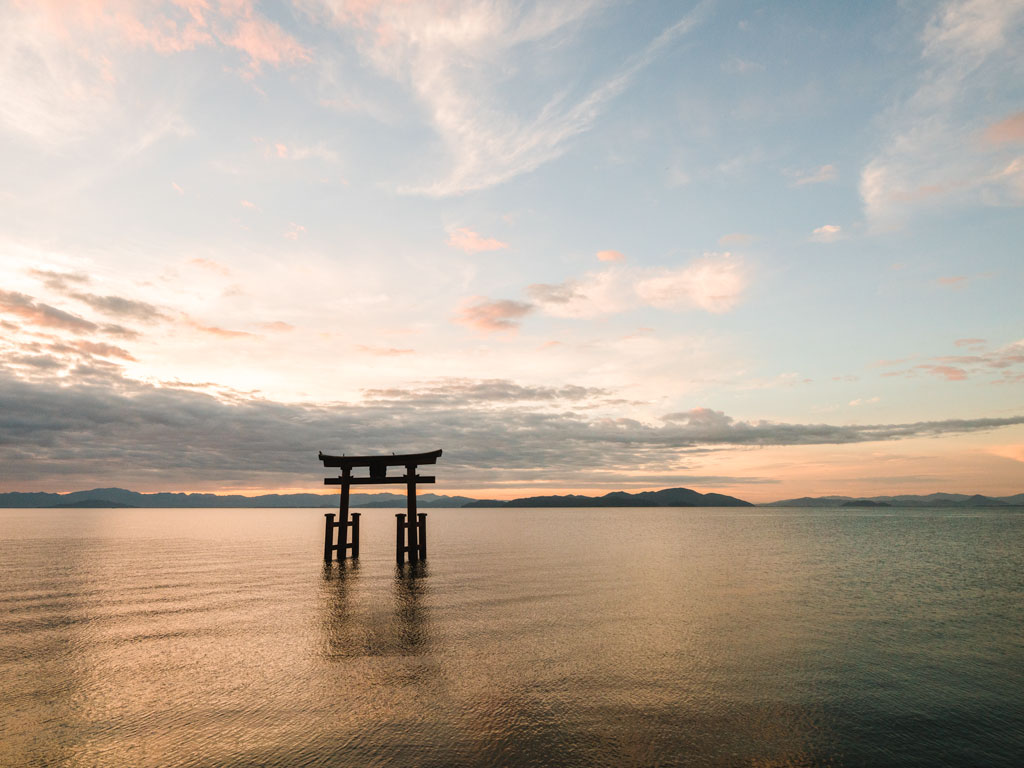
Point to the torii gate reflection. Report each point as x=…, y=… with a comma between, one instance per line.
x=411, y=528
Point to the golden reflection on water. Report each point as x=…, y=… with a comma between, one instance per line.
x=532, y=638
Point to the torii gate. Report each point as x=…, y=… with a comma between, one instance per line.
x=411, y=533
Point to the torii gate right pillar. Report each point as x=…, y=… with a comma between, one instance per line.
x=410, y=528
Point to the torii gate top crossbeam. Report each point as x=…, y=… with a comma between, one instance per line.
x=402, y=460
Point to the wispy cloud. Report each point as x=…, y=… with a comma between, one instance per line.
x=469, y=241
x=735, y=238
x=65, y=62
x=190, y=437
x=596, y=293
x=43, y=315
x=715, y=282
x=929, y=156
x=118, y=306
x=492, y=315
x=1006, y=131
x=610, y=256
x=818, y=176
x=455, y=57
x=827, y=233
x=383, y=351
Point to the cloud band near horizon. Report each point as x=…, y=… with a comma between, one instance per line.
x=131, y=433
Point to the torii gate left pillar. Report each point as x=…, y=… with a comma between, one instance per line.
x=411, y=528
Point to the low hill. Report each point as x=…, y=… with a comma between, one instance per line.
x=119, y=497
x=669, y=497
x=950, y=500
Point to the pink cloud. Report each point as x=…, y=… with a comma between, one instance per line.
x=277, y=326
x=826, y=233
x=822, y=174
x=295, y=231
x=610, y=256
x=248, y=204
x=39, y=314
x=1006, y=131
x=214, y=330
x=383, y=351
x=948, y=372
x=282, y=150
x=177, y=189
x=470, y=242
x=487, y=315
x=715, y=282
x=264, y=42
x=735, y=238
x=953, y=280
x=969, y=342
x=102, y=350
x=210, y=264
x=167, y=28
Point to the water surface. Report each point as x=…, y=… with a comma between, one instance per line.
x=587, y=637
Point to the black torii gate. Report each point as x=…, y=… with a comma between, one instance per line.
x=411, y=533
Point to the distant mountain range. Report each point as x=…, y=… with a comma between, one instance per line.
x=669, y=497
x=119, y=497
x=931, y=500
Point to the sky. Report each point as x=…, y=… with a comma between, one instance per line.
x=757, y=248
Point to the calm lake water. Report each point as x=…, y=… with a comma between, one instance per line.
x=625, y=637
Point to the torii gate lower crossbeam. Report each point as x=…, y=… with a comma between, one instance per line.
x=411, y=528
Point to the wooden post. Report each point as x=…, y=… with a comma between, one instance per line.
x=400, y=537
x=355, y=534
x=328, y=536
x=422, y=525
x=342, y=545
x=410, y=492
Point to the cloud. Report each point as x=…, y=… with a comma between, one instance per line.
x=864, y=401
x=715, y=282
x=113, y=431
x=121, y=307
x=43, y=315
x=822, y=174
x=456, y=59
x=735, y=238
x=59, y=281
x=485, y=392
x=929, y=155
x=177, y=188
x=263, y=41
x=317, y=152
x=295, y=231
x=827, y=233
x=248, y=204
x=469, y=241
x=998, y=364
x=276, y=326
x=383, y=351
x=947, y=372
x=66, y=61
x=597, y=293
x=610, y=256
x=953, y=280
x=214, y=266
x=493, y=315
x=214, y=330
x=1010, y=129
